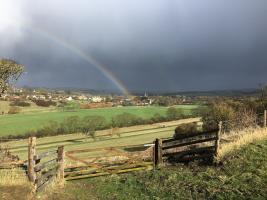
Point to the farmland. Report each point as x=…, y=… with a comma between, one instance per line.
x=128, y=136
x=33, y=119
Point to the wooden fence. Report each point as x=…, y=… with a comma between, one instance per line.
x=184, y=148
x=44, y=168
x=111, y=160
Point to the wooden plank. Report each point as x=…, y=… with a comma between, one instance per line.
x=188, y=143
x=45, y=154
x=80, y=172
x=191, y=151
x=198, y=157
x=186, y=136
x=106, y=173
x=42, y=187
x=39, y=167
x=42, y=178
x=102, y=149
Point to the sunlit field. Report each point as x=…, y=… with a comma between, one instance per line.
x=134, y=135
x=21, y=123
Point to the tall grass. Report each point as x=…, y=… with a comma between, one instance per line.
x=241, y=138
x=11, y=177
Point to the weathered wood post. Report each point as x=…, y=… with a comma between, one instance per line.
x=218, y=138
x=154, y=155
x=158, y=161
x=31, y=160
x=61, y=155
x=160, y=153
x=265, y=118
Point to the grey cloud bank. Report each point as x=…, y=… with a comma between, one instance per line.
x=151, y=45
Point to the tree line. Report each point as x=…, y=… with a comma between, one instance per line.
x=88, y=125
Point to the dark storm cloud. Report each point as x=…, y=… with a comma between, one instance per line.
x=152, y=44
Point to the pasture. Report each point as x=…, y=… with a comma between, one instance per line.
x=32, y=120
x=134, y=135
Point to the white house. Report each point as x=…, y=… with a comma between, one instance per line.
x=69, y=98
x=96, y=99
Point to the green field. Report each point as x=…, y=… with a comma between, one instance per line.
x=134, y=135
x=28, y=121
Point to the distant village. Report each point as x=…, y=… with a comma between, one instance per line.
x=90, y=100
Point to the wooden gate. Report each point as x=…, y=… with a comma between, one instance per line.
x=44, y=168
x=105, y=161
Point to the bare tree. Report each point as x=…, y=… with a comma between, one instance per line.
x=10, y=71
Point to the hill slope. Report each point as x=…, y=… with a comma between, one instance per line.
x=243, y=175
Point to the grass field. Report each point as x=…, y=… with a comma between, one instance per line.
x=242, y=175
x=129, y=136
x=4, y=107
x=27, y=121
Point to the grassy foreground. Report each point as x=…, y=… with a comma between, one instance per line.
x=242, y=175
x=21, y=123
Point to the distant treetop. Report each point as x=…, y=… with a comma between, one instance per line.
x=10, y=71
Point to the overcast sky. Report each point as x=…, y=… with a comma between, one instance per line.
x=147, y=44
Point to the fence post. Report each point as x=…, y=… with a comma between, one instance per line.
x=158, y=161
x=60, y=154
x=218, y=135
x=154, y=155
x=265, y=118
x=31, y=161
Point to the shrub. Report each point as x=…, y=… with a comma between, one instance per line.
x=51, y=129
x=234, y=115
x=174, y=113
x=71, y=106
x=44, y=103
x=185, y=129
x=90, y=124
x=157, y=118
x=20, y=103
x=14, y=110
x=71, y=125
x=218, y=111
x=126, y=119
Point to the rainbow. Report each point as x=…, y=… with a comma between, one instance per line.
x=87, y=57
